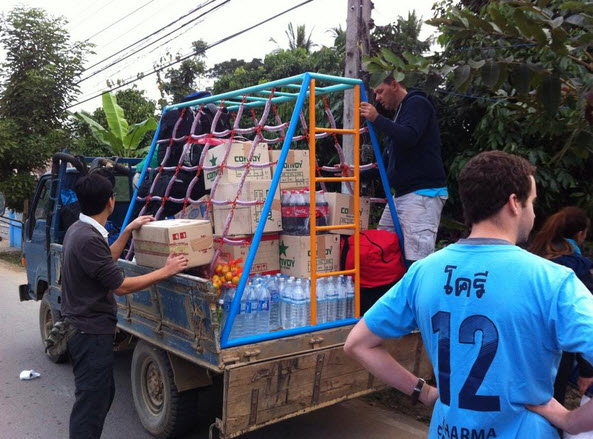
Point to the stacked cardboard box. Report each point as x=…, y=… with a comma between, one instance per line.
x=341, y=211
x=154, y=242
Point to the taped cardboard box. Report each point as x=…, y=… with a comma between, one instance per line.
x=238, y=153
x=341, y=211
x=295, y=173
x=295, y=254
x=154, y=241
x=246, y=218
x=266, y=259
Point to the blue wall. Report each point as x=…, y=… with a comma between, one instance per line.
x=14, y=231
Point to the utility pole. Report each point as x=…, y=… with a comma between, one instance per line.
x=358, y=43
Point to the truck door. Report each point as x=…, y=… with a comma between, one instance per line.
x=34, y=247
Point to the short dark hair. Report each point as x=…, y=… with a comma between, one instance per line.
x=93, y=192
x=489, y=179
x=389, y=80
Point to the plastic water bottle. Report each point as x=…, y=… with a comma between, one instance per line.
x=350, y=293
x=272, y=287
x=287, y=212
x=238, y=329
x=262, y=318
x=299, y=304
x=281, y=283
x=341, y=289
x=331, y=297
x=307, y=285
x=249, y=327
x=321, y=209
x=287, y=302
x=227, y=296
x=320, y=287
x=301, y=207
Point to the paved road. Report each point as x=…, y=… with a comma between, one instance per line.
x=40, y=408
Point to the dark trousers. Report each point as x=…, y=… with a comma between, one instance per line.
x=92, y=361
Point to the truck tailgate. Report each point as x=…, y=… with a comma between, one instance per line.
x=262, y=393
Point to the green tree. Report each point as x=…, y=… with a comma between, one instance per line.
x=527, y=67
x=136, y=108
x=38, y=82
x=183, y=80
x=120, y=138
x=298, y=39
x=403, y=35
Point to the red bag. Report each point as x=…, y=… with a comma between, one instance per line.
x=381, y=259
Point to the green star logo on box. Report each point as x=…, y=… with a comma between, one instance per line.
x=213, y=160
x=283, y=248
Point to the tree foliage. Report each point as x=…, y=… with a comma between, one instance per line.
x=136, y=108
x=522, y=72
x=38, y=82
x=121, y=138
x=182, y=81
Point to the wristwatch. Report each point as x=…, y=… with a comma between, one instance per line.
x=417, y=390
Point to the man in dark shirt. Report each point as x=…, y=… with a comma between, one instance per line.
x=90, y=277
x=414, y=165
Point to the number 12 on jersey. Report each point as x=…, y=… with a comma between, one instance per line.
x=441, y=324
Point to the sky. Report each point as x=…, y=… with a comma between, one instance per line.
x=113, y=25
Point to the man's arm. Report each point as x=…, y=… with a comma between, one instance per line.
x=367, y=348
x=174, y=265
x=118, y=246
x=573, y=422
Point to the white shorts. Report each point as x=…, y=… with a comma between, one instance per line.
x=419, y=217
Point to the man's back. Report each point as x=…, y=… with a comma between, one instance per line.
x=494, y=318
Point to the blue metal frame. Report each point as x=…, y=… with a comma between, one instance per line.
x=300, y=82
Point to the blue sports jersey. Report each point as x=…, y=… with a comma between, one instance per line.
x=494, y=320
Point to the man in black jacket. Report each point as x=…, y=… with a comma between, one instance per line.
x=90, y=277
x=415, y=171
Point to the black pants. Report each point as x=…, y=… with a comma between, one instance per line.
x=92, y=361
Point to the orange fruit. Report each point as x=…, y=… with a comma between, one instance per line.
x=225, y=269
x=228, y=275
x=218, y=269
x=215, y=278
x=216, y=285
x=235, y=280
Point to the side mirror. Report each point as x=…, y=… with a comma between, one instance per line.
x=2, y=204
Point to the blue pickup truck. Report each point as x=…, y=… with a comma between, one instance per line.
x=181, y=355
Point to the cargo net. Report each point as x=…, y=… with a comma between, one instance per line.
x=182, y=159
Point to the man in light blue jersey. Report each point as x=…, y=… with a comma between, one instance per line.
x=494, y=318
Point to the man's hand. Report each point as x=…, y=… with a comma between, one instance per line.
x=430, y=397
x=139, y=222
x=175, y=264
x=584, y=383
x=368, y=111
x=554, y=412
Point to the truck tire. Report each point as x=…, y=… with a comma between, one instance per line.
x=163, y=411
x=47, y=317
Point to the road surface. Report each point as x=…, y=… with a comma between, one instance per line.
x=40, y=408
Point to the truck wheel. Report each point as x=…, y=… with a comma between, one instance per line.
x=47, y=317
x=163, y=411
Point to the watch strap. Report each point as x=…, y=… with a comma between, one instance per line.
x=417, y=390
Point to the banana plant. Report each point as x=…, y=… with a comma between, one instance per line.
x=123, y=140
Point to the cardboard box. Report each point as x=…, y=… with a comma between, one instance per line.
x=238, y=153
x=156, y=240
x=246, y=218
x=198, y=210
x=341, y=211
x=266, y=259
x=295, y=254
x=296, y=168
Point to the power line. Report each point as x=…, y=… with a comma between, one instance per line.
x=223, y=40
x=150, y=35
x=123, y=18
x=117, y=61
x=92, y=14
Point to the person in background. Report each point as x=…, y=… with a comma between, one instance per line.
x=415, y=170
x=560, y=240
x=494, y=318
x=90, y=278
